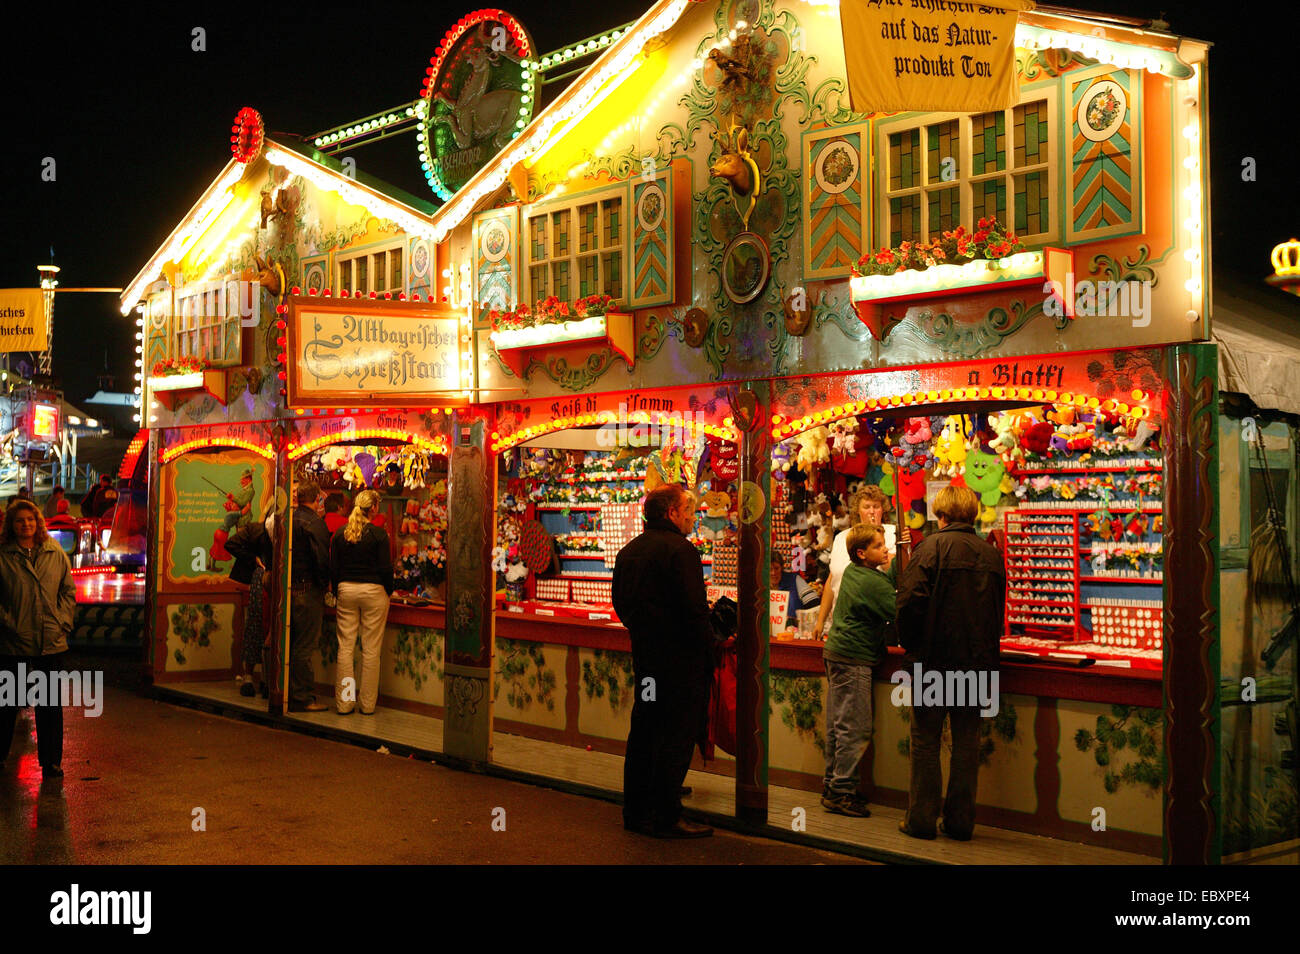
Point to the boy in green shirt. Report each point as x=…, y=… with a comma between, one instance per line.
x=863, y=608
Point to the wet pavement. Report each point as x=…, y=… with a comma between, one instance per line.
x=152, y=783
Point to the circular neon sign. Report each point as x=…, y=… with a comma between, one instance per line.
x=479, y=92
x=246, y=135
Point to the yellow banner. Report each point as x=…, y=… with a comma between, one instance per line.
x=22, y=319
x=931, y=55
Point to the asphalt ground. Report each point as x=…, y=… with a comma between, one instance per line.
x=152, y=783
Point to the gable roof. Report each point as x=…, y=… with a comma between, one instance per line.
x=326, y=173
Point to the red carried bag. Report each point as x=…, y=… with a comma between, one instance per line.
x=722, y=703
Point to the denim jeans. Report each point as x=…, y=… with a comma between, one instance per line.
x=306, y=612
x=848, y=724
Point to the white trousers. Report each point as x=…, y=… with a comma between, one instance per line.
x=361, y=607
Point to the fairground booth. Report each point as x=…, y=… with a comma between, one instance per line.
x=974, y=250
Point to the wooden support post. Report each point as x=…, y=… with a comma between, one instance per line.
x=751, y=415
x=471, y=529
x=1192, y=800
x=156, y=622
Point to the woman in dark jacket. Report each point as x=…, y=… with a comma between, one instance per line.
x=361, y=567
x=37, y=603
x=251, y=547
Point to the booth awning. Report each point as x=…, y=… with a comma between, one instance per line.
x=1257, y=330
x=1263, y=369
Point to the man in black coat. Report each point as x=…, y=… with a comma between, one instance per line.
x=659, y=596
x=309, y=565
x=950, y=620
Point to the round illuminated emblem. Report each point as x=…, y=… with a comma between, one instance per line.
x=246, y=135
x=478, y=94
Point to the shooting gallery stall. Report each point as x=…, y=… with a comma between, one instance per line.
x=718, y=259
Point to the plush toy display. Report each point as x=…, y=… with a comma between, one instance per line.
x=407, y=530
x=984, y=472
x=1007, y=443
x=950, y=448
x=1037, y=438
x=716, y=519
x=781, y=460
x=813, y=448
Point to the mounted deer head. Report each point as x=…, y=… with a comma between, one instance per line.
x=268, y=275
x=735, y=164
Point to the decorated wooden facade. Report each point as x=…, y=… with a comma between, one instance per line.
x=706, y=186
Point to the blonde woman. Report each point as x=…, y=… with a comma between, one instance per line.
x=865, y=506
x=361, y=565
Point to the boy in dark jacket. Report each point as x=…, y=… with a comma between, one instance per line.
x=864, y=607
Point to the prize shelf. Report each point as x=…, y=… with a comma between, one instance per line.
x=1117, y=469
x=706, y=560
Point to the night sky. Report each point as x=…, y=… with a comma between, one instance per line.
x=138, y=124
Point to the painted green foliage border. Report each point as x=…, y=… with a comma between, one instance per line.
x=798, y=700
x=1137, y=730
x=192, y=623
x=1002, y=727
x=609, y=675
x=523, y=675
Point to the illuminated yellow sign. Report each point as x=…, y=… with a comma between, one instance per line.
x=931, y=55
x=22, y=320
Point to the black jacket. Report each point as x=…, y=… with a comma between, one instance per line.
x=310, y=543
x=659, y=596
x=369, y=560
x=247, y=545
x=950, y=601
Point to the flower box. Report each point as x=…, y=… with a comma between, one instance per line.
x=872, y=293
x=518, y=346
x=172, y=390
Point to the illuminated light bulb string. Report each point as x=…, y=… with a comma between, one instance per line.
x=784, y=427
x=435, y=445
x=261, y=450
x=503, y=442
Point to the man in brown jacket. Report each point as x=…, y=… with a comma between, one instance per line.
x=950, y=601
